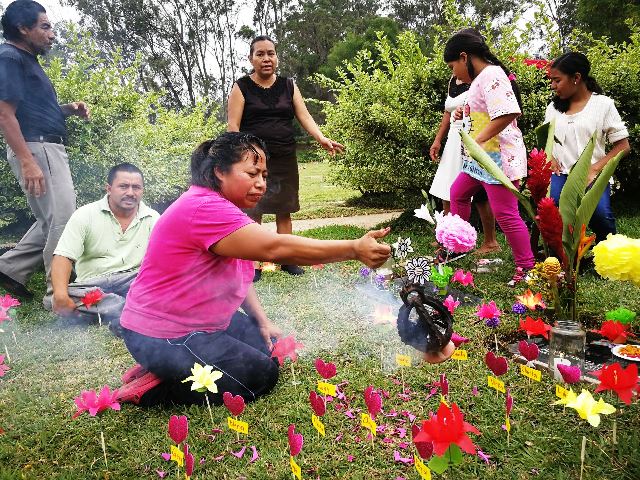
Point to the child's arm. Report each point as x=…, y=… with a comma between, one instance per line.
x=495, y=127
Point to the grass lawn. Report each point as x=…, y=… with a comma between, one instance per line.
x=328, y=310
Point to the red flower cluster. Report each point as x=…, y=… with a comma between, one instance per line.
x=540, y=64
x=539, y=175
x=550, y=225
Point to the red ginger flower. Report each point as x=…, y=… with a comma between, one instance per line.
x=550, y=225
x=535, y=327
x=539, y=175
x=614, y=331
x=89, y=401
x=622, y=381
x=92, y=297
x=446, y=428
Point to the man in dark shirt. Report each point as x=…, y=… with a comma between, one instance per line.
x=33, y=125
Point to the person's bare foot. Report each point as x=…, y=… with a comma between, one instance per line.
x=487, y=248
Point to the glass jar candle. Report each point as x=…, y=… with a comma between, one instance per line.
x=566, y=346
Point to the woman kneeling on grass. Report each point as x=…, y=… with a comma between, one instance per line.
x=183, y=306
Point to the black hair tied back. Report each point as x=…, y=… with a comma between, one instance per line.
x=571, y=63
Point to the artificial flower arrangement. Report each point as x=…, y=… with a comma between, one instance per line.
x=563, y=227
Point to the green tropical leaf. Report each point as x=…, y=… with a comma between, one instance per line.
x=484, y=160
x=571, y=197
x=439, y=464
x=542, y=135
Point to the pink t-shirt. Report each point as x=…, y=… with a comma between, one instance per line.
x=491, y=96
x=182, y=287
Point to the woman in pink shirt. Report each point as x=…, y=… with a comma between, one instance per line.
x=198, y=271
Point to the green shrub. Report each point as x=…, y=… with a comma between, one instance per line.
x=126, y=126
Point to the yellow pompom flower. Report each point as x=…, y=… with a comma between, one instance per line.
x=203, y=378
x=551, y=268
x=618, y=258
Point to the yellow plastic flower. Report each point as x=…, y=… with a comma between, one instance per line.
x=551, y=268
x=618, y=258
x=203, y=378
x=586, y=406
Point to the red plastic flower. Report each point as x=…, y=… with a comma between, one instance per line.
x=539, y=176
x=178, y=428
x=89, y=401
x=92, y=297
x=535, y=327
x=550, y=225
x=614, y=331
x=286, y=347
x=7, y=302
x=621, y=380
x=531, y=301
x=446, y=428
x=189, y=461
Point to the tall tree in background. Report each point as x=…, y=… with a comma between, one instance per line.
x=563, y=13
x=607, y=17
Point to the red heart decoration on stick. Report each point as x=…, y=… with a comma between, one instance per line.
x=498, y=365
x=295, y=441
x=317, y=404
x=530, y=351
x=570, y=373
x=234, y=403
x=326, y=370
x=373, y=400
x=425, y=449
x=178, y=428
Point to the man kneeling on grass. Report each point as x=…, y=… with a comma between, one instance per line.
x=106, y=240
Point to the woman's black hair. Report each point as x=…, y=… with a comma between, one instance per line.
x=260, y=38
x=21, y=13
x=471, y=42
x=571, y=63
x=221, y=153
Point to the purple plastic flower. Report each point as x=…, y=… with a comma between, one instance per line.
x=365, y=272
x=492, y=322
x=379, y=279
x=519, y=308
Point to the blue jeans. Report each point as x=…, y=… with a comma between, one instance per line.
x=602, y=222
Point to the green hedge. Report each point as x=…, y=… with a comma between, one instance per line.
x=126, y=126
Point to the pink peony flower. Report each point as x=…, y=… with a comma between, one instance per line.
x=455, y=234
x=89, y=401
x=451, y=304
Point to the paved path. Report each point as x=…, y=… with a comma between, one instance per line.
x=364, y=221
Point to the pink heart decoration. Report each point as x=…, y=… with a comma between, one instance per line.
x=373, y=400
x=530, y=351
x=317, y=404
x=570, y=373
x=234, y=403
x=326, y=370
x=498, y=365
x=295, y=441
x=425, y=449
x=178, y=428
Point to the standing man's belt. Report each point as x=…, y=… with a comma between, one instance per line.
x=47, y=139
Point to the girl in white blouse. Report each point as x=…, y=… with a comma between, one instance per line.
x=580, y=109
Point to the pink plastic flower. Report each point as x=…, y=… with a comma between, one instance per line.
x=4, y=368
x=487, y=311
x=89, y=401
x=7, y=302
x=463, y=278
x=458, y=339
x=455, y=234
x=451, y=304
x=3, y=315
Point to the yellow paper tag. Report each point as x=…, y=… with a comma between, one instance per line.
x=460, y=355
x=507, y=424
x=295, y=468
x=177, y=455
x=421, y=468
x=317, y=423
x=238, y=425
x=327, y=389
x=493, y=382
x=561, y=392
x=403, y=360
x=444, y=400
x=531, y=373
x=368, y=422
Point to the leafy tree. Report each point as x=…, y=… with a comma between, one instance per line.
x=607, y=18
x=563, y=13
